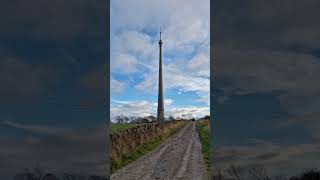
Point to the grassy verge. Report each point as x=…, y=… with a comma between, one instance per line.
x=204, y=133
x=120, y=127
x=144, y=149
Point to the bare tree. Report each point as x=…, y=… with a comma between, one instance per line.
x=258, y=172
x=153, y=119
x=38, y=171
x=50, y=176
x=144, y=120
x=238, y=172
x=120, y=119
x=125, y=119
x=311, y=174
x=218, y=175
x=26, y=175
x=132, y=119
x=280, y=178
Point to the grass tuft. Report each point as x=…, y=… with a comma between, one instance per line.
x=204, y=133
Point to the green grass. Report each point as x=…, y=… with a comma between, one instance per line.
x=144, y=149
x=120, y=127
x=204, y=133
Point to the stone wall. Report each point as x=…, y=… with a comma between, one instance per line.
x=129, y=140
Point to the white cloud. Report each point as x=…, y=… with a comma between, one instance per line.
x=149, y=84
x=137, y=14
x=138, y=108
x=138, y=43
x=200, y=64
x=145, y=108
x=184, y=34
x=116, y=86
x=189, y=112
x=184, y=22
x=175, y=77
x=123, y=64
x=168, y=102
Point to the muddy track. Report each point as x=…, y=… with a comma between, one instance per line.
x=179, y=157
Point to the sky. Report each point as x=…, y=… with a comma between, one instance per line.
x=134, y=57
x=53, y=86
x=266, y=90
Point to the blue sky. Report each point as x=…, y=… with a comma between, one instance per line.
x=135, y=56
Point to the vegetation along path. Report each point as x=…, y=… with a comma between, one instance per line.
x=179, y=157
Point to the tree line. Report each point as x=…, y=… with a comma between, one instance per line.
x=259, y=172
x=122, y=119
x=39, y=174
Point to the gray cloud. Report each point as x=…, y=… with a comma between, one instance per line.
x=309, y=122
x=269, y=154
x=54, y=20
x=48, y=53
x=61, y=150
x=269, y=47
x=96, y=78
x=266, y=71
x=21, y=80
x=271, y=24
x=34, y=128
x=294, y=75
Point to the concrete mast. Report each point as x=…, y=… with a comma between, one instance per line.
x=160, y=115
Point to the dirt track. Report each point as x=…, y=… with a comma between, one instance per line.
x=178, y=158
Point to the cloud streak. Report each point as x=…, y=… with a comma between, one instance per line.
x=34, y=128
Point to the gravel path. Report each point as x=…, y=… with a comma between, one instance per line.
x=179, y=157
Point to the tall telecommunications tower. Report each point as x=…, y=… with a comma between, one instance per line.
x=160, y=114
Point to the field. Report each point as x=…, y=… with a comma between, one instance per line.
x=127, y=146
x=120, y=127
x=203, y=127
